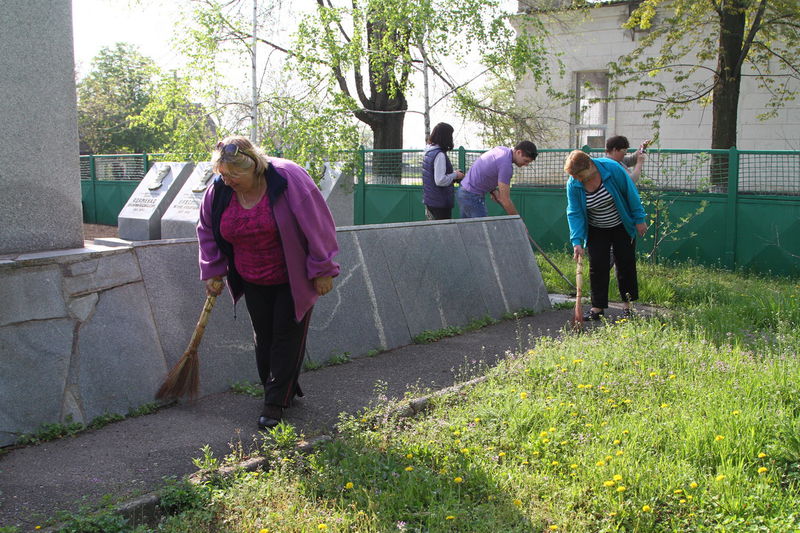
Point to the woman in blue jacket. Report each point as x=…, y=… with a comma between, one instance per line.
x=604, y=209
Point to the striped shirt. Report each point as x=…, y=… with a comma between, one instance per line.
x=601, y=209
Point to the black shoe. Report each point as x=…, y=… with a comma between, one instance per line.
x=593, y=315
x=270, y=416
x=298, y=391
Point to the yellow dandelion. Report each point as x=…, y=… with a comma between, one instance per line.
x=589, y=424
x=464, y=450
x=573, y=466
x=736, y=412
x=458, y=480
x=621, y=488
x=762, y=455
x=409, y=468
x=617, y=441
x=543, y=434
x=525, y=462
x=409, y=455
x=518, y=503
x=608, y=457
x=609, y=483
x=449, y=517
x=664, y=405
x=456, y=433
x=689, y=496
x=563, y=442
x=653, y=374
x=577, y=361
x=477, y=420
x=535, y=453
x=580, y=385
x=619, y=452
x=646, y=508
x=681, y=501
x=718, y=438
x=552, y=430
x=720, y=477
x=523, y=395
x=553, y=527
x=693, y=485
x=625, y=431
x=545, y=441
x=555, y=463
x=612, y=513
x=501, y=454
x=600, y=463
x=762, y=470
x=262, y=530
x=671, y=376
x=348, y=485
x=322, y=527
x=617, y=477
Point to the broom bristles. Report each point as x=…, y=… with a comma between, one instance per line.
x=183, y=379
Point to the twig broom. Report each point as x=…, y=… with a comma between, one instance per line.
x=577, y=317
x=184, y=378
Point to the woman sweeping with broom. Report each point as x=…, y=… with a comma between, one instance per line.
x=265, y=225
x=604, y=208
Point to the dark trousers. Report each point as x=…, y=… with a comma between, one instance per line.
x=438, y=213
x=280, y=341
x=598, y=246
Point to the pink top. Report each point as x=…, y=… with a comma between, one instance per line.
x=257, y=249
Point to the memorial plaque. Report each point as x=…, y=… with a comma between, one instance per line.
x=140, y=219
x=181, y=218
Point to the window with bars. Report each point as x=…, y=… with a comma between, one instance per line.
x=591, y=111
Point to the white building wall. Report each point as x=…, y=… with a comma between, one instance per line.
x=591, y=40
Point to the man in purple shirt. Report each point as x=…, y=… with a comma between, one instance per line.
x=491, y=173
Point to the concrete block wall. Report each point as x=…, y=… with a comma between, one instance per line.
x=94, y=330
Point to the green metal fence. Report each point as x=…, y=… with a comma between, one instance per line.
x=736, y=209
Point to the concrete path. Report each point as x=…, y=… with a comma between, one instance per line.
x=129, y=458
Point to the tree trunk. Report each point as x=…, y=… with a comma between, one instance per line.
x=726, y=90
x=387, y=132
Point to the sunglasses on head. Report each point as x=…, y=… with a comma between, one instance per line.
x=231, y=150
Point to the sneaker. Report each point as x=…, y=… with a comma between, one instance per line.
x=593, y=315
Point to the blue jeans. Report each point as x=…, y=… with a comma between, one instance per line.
x=471, y=205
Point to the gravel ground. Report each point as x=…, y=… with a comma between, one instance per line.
x=96, y=231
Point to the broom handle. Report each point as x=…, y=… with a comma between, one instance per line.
x=578, y=280
x=200, y=328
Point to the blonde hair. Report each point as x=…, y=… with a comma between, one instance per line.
x=249, y=155
x=577, y=161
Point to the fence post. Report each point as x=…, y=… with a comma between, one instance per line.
x=145, y=163
x=360, y=197
x=93, y=181
x=729, y=250
x=462, y=159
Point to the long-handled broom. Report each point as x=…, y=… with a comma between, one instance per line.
x=577, y=318
x=184, y=378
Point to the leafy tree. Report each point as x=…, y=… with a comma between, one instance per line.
x=119, y=85
x=362, y=54
x=706, y=47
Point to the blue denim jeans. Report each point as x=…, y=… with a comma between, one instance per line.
x=471, y=205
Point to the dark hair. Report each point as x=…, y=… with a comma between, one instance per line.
x=528, y=148
x=617, y=142
x=442, y=136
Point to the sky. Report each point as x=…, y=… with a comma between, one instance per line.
x=149, y=24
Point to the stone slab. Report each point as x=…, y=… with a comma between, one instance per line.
x=435, y=281
x=363, y=311
x=140, y=219
x=40, y=208
x=181, y=218
x=119, y=364
x=176, y=294
x=31, y=294
x=103, y=272
x=34, y=361
x=498, y=247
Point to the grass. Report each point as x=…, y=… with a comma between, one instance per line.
x=689, y=424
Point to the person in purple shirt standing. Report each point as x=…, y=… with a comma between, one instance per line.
x=266, y=227
x=491, y=173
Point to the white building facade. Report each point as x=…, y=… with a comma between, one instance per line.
x=586, y=42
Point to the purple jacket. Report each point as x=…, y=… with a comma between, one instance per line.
x=305, y=225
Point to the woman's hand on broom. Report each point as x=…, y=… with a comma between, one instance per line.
x=214, y=286
x=323, y=284
x=577, y=252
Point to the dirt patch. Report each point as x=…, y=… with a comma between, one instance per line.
x=98, y=231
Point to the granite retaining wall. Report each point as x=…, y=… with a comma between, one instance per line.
x=90, y=331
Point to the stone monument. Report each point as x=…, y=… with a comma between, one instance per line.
x=181, y=218
x=140, y=219
x=40, y=208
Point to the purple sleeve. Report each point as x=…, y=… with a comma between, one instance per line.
x=212, y=262
x=317, y=225
x=505, y=169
